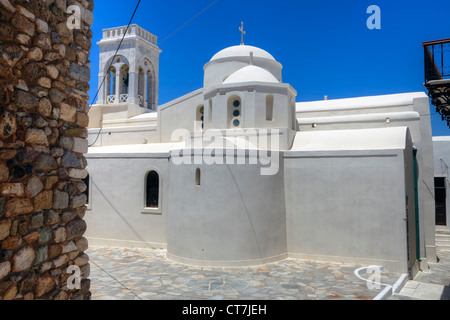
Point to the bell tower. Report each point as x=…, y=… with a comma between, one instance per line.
x=129, y=81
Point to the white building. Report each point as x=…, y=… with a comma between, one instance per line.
x=238, y=173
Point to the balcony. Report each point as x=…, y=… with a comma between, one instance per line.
x=134, y=31
x=437, y=75
x=123, y=98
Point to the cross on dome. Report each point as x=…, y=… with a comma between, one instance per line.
x=241, y=29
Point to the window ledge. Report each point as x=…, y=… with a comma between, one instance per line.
x=151, y=211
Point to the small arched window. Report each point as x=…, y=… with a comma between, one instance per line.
x=198, y=177
x=149, y=90
x=141, y=86
x=111, y=85
x=210, y=111
x=269, y=107
x=125, y=77
x=152, y=190
x=112, y=80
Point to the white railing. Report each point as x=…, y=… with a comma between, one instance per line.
x=123, y=98
x=111, y=99
x=134, y=30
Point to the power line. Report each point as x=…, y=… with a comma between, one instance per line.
x=112, y=61
x=184, y=25
x=115, y=279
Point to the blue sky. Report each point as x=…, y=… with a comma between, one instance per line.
x=325, y=46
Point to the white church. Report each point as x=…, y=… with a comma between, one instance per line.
x=237, y=173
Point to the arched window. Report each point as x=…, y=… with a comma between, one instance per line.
x=141, y=86
x=210, y=111
x=269, y=107
x=111, y=85
x=150, y=93
x=198, y=180
x=124, y=78
x=152, y=190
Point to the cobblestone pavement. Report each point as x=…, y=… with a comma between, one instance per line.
x=145, y=274
x=435, y=283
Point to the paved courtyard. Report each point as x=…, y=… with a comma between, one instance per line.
x=145, y=274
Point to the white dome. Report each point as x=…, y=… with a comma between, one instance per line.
x=251, y=74
x=242, y=51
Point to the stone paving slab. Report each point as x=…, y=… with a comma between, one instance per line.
x=419, y=290
x=146, y=274
x=434, y=284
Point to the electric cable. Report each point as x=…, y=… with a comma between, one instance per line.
x=184, y=25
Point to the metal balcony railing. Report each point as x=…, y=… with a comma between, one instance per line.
x=437, y=60
x=437, y=75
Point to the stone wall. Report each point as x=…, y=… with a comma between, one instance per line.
x=44, y=74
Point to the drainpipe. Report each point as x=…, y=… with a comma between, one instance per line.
x=416, y=200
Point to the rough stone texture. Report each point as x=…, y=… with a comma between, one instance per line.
x=67, y=112
x=4, y=171
x=60, y=200
x=41, y=255
x=80, y=145
x=45, y=235
x=75, y=229
x=36, y=137
x=70, y=159
x=69, y=247
x=44, y=285
x=34, y=186
x=8, y=125
x=44, y=74
x=45, y=107
x=59, y=235
x=43, y=201
x=5, y=268
x=18, y=206
x=78, y=201
x=45, y=163
x=12, y=189
x=23, y=259
x=5, y=225
x=78, y=173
